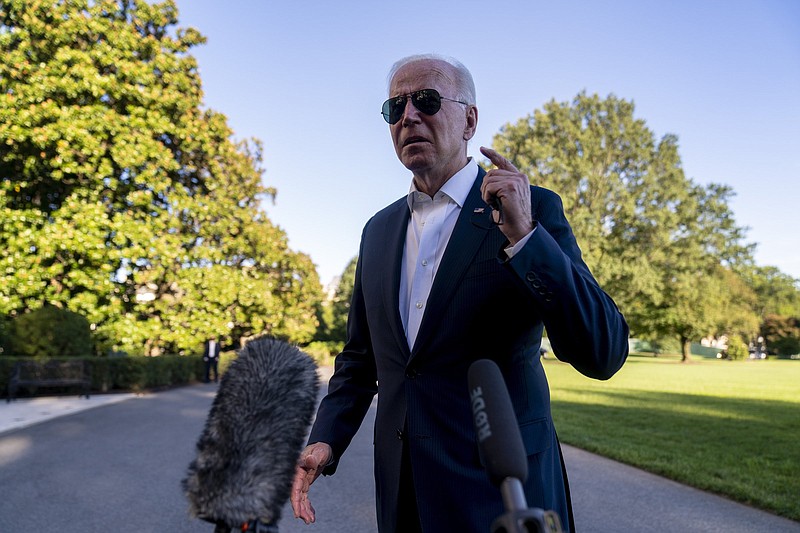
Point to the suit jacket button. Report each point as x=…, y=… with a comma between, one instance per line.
x=411, y=373
x=530, y=276
x=400, y=434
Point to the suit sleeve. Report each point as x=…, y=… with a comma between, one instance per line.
x=584, y=325
x=353, y=384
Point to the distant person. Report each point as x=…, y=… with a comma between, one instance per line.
x=211, y=359
x=444, y=279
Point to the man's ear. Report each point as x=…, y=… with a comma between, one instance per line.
x=472, y=122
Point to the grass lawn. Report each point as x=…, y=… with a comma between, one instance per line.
x=730, y=427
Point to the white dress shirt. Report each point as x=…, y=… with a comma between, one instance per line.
x=429, y=228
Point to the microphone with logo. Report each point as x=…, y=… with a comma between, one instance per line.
x=248, y=449
x=502, y=452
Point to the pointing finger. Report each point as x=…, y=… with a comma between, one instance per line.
x=498, y=160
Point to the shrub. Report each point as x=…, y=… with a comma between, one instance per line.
x=51, y=332
x=133, y=373
x=323, y=352
x=737, y=349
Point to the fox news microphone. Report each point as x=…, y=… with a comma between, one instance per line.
x=247, y=451
x=502, y=452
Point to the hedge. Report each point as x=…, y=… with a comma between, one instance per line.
x=129, y=373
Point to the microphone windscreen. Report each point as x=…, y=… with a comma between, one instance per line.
x=248, y=449
x=496, y=426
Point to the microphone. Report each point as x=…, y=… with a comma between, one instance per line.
x=248, y=449
x=502, y=451
x=499, y=440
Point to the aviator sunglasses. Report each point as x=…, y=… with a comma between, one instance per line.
x=428, y=101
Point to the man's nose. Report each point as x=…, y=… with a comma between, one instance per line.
x=410, y=113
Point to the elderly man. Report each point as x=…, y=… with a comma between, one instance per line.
x=443, y=279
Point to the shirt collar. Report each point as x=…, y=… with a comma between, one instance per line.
x=457, y=187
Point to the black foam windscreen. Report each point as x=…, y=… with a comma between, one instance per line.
x=496, y=426
x=255, y=430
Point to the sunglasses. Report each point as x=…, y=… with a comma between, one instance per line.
x=428, y=101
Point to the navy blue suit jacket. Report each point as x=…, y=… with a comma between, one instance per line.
x=479, y=307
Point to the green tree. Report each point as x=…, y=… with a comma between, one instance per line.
x=782, y=334
x=654, y=239
x=777, y=293
x=340, y=303
x=121, y=198
x=776, y=302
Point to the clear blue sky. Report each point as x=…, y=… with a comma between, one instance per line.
x=308, y=79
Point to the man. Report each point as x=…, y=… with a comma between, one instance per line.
x=443, y=280
x=211, y=359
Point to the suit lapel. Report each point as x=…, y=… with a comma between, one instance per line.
x=395, y=240
x=470, y=230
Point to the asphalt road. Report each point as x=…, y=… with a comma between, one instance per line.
x=118, y=468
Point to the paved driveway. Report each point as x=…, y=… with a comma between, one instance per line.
x=117, y=467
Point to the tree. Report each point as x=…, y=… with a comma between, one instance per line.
x=782, y=334
x=655, y=240
x=121, y=198
x=777, y=293
x=340, y=303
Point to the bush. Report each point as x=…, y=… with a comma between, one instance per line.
x=737, y=349
x=135, y=374
x=138, y=373
x=657, y=345
x=51, y=332
x=323, y=352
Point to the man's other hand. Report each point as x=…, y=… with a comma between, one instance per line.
x=309, y=466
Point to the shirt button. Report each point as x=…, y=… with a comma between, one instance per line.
x=424, y=262
x=419, y=305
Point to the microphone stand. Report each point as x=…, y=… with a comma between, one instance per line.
x=518, y=518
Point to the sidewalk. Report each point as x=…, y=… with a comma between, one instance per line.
x=26, y=412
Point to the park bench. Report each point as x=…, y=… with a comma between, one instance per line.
x=49, y=374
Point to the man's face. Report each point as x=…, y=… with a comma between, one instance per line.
x=433, y=147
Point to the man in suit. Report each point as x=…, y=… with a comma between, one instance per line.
x=443, y=280
x=211, y=353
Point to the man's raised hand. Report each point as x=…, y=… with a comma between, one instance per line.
x=512, y=188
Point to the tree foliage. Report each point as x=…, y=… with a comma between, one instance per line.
x=777, y=293
x=340, y=303
x=782, y=334
x=336, y=307
x=660, y=244
x=121, y=198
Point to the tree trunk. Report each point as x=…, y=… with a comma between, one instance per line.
x=686, y=348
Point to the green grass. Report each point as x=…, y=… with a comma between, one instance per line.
x=729, y=427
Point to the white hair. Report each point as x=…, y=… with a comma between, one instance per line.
x=465, y=86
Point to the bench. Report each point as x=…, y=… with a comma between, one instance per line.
x=49, y=374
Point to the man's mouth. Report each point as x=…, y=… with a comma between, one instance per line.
x=415, y=140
